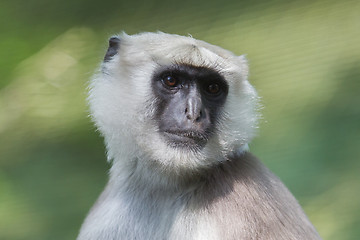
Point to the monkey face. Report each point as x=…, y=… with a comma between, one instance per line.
x=189, y=102
x=173, y=100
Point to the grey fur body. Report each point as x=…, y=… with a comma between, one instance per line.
x=240, y=199
x=225, y=193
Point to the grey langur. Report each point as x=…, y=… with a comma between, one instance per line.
x=177, y=115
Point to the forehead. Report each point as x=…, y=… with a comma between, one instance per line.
x=167, y=48
x=149, y=51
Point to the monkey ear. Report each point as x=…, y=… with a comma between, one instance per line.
x=114, y=45
x=244, y=65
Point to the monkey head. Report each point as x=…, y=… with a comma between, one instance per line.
x=180, y=103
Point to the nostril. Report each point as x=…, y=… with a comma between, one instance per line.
x=188, y=115
x=199, y=116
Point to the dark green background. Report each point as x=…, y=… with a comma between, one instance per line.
x=304, y=60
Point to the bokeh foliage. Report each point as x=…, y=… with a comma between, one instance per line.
x=304, y=60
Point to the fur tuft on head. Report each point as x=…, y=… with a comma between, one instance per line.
x=122, y=102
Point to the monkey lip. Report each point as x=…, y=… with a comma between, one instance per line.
x=186, y=136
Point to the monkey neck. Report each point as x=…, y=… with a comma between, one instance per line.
x=149, y=176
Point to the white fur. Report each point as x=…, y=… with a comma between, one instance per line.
x=156, y=191
x=125, y=124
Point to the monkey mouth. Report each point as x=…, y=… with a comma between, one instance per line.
x=186, y=138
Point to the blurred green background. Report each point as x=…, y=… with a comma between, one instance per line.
x=304, y=61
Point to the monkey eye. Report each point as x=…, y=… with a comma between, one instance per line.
x=170, y=81
x=213, y=88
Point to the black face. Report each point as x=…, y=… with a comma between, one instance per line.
x=190, y=100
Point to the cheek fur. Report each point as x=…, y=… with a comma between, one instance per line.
x=231, y=129
x=125, y=110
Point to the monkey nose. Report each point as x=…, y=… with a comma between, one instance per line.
x=193, y=110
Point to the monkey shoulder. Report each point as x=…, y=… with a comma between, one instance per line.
x=246, y=199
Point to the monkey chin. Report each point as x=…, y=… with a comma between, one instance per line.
x=190, y=140
x=182, y=155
